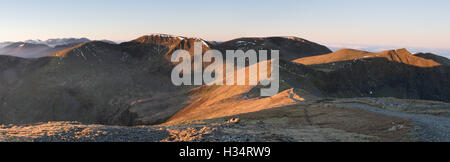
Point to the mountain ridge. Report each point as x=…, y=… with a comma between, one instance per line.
x=39, y=48
x=398, y=55
x=130, y=84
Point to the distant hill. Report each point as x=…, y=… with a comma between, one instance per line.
x=165, y=44
x=27, y=50
x=58, y=41
x=4, y=44
x=39, y=48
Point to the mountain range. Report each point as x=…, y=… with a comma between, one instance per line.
x=129, y=83
x=39, y=48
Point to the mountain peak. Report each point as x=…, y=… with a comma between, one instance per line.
x=171, y=41
x=295, y=38
x=164, y=37
x=401, y=51
x=38, y=48
x=24, y=45
x=161, y=39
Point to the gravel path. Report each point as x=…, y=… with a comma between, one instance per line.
x=430, y=128
x=409, y=106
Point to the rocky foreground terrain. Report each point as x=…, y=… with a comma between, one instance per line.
x=329, y=120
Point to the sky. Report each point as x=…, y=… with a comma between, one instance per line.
x=423, y=24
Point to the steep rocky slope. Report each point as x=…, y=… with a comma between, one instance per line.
x=26, y=50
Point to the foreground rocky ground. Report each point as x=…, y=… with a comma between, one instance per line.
x=330, y=120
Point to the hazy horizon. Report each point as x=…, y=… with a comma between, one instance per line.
x=402, y=23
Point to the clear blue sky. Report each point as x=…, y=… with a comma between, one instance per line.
x=424, y=23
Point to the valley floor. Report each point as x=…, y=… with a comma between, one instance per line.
x=328, y=120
